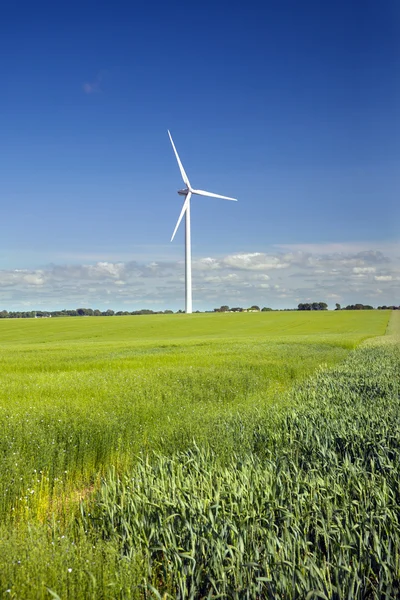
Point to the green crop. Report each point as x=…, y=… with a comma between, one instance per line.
x=315, y=513
x=219, y=456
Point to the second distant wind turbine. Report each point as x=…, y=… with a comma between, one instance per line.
x=188, y=192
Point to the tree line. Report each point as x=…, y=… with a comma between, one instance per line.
x=253, y=308
x=365, y=307
x=78, y=312
x=313, y=306
x=358, y=306
x=90, y=312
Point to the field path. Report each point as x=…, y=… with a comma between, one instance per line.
x=393, y=327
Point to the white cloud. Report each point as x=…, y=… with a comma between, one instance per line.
x=22, y=277
x=279, y=279
x=235, y=277
x=34, y=279
x=364, y=270
x=205, y=264
x=257, y=261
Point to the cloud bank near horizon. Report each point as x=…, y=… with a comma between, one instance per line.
x=279, y=279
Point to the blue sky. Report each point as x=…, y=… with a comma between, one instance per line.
x=292, y=107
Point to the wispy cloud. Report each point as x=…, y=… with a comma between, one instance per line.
x=93, y=86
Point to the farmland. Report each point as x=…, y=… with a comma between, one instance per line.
x=199, y=455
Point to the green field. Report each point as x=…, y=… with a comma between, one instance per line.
x=85, y=403
x=192, y=328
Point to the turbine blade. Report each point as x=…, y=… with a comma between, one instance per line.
x=203, y=193
x=182, y=170
x=184, y=207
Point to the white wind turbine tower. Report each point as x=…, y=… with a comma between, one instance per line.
x=188, y=192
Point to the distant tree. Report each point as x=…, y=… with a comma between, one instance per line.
x=254, y=307
x=168, y=312
x=266, y=309
x=237, y=309
x=224, y=308
x=304, y=306
x=359, y=306
x=338, y=307
x=313, y=306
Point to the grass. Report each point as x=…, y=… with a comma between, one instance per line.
x=193, y=328
x=79, y=393
x=314, y=514
x=83, y=399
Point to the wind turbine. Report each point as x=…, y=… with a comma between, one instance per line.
x=188, y=192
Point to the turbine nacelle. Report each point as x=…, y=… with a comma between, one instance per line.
x=183, y=192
